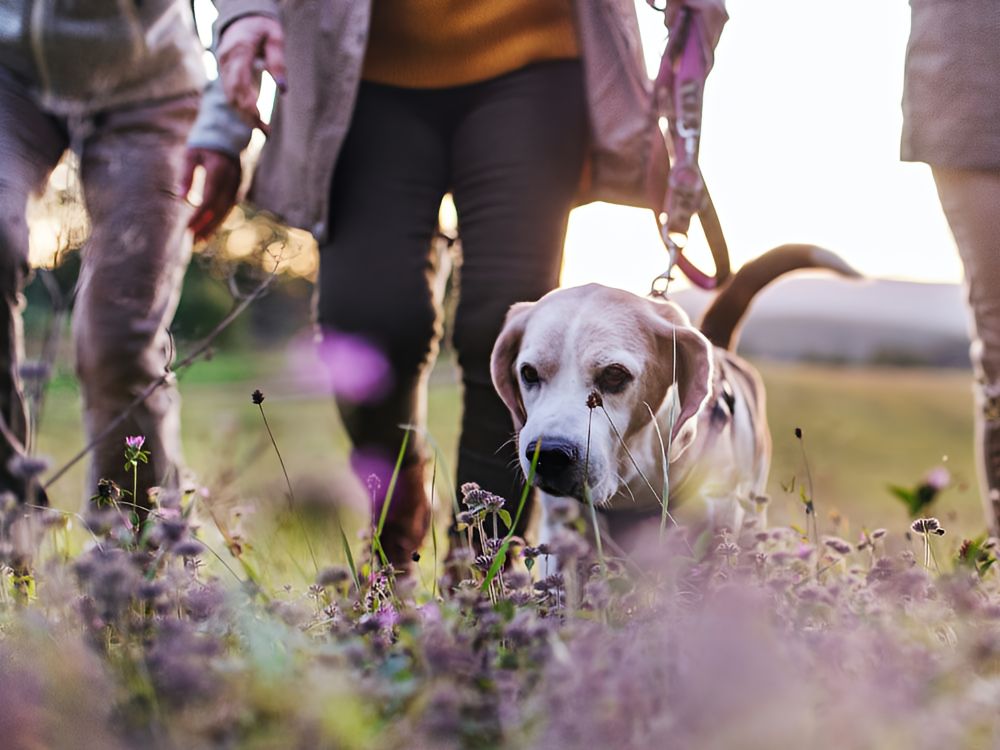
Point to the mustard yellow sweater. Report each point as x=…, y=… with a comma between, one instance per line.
x=440, y=43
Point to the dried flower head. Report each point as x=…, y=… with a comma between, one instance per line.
x=838, y=545
x=927, y=526
x=594, y=400
x=188, y=548
x=333, y=576
x=108, y=490
x=27, y=467
x=727, y=549
x=257, y=397
x=476, y=498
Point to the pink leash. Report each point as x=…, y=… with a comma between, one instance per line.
x=678, y=96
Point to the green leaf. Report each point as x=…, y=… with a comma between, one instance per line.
x=505, y=517
x=498, y=562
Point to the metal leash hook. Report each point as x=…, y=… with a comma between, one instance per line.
x=660, y=285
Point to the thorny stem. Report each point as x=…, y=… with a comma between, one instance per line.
x=590, y=498
x=291, y=492
x=635, y=464
x=190, y=359
x=434, y=537
x=811, y=507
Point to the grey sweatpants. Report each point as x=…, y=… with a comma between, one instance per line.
x=133, y=265
x=971, y=201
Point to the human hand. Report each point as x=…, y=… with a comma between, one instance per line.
x=712, y=17
x=222, y=182
x=244, y=45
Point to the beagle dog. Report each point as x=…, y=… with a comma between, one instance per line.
x=623, y=397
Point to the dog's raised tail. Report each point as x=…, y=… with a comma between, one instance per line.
x=721, y=321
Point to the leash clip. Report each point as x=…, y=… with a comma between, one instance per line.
x=658, y=289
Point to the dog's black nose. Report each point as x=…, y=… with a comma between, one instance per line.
x=558, y=465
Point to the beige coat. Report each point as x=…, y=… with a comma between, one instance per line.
x=324, y=48
x=78, y=58
x=951, y=98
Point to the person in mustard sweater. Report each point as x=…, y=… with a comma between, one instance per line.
x=519, y=108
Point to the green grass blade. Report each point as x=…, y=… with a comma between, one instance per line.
x=377, y=539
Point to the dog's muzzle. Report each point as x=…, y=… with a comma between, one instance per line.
x=560, y=468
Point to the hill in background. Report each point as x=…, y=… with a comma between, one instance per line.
x=868, y=322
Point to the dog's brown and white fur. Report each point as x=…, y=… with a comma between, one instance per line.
x=665, y=387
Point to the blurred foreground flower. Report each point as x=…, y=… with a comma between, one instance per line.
x=926, y=492
x=349, y=366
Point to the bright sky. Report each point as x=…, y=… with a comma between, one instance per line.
x=801, y=143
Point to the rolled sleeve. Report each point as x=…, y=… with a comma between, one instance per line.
x=230, y=10
x=218, y=127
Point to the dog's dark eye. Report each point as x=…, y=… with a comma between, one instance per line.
x=529, y=375
x=613, y=379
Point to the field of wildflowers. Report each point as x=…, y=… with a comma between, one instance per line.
x=172, y=629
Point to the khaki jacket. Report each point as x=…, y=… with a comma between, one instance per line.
x=79, y=57
x=324, y=50
x=951, y=96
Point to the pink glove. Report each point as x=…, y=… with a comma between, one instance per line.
x=248, y=45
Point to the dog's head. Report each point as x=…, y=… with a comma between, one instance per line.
x=584, y=369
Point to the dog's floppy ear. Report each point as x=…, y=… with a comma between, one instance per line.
x=504, y=357
x=693, y=367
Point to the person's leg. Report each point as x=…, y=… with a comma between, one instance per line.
x=31, y=143
x=376, y=309
x=130, y=281
x=518, y=154
x=971, y=201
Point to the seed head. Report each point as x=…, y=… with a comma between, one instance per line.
x=927, y=526
x=728, y=549
x=108, y=490
x=27, y=467
x=333, y=576
x=798, y=432
x=594, y=400
x=257, y=397
x=188, y=548
x=838, y=545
